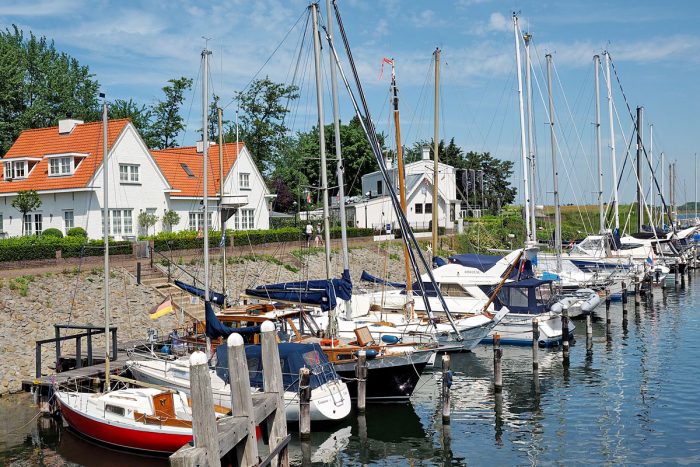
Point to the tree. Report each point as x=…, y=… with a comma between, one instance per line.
x=167, y=122
x=25, y=202
x=147, y=220
x=140, y=116
x=39, y=85
x=497, y=189
x=264, y=106
x=170, y=218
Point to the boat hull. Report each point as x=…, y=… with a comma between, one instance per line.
x=516, y=329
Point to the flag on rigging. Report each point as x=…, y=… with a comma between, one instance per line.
x=162, y=309
x=222, y=242
x=388, y=61
x=650, y=258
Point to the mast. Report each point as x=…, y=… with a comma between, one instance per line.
x=105, y=226
x=612, y=141
x=663, y=181
x=640, y=145
x=219, y=114
x=523, y=149
x=555, y=171
x=322, y=139
x=651, y=172
x=531, y=131
x=601, y=210
x=695, y=195
x=436, y=203
x=402, y=176
x=338, y=153
x=205, y=176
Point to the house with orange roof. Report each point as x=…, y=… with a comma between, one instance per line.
x=64, y=165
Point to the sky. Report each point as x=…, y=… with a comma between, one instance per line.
x=134, y=46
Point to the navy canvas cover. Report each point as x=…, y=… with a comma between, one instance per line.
x=367, y=277
x=322, y=292
x=215, y=297
x=485, y=262
x=215, y=328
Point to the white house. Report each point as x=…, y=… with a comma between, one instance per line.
x=374, y=209
x=64, y=165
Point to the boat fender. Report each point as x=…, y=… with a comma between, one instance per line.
x=389, y=339
x=369, y=353
x=165, y=349
x=328, y=342
x=449, y=379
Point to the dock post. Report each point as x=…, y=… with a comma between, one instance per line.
x=241, y=399
x=304, y=404
x=204, y=430
x=37, y=372
x=361, y=375
x=535, y=343
x=272, y=382
x=138, y=272
x=676, y=273
x=89, y=347
x=57, y=334
x=565, y=333
x=497, y=354
x=78, y=352
x=446, y=385
x=624, y=301
x=589, y=332
x=636, y=293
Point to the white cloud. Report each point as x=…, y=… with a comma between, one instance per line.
x=497, y=22
x=41, y=8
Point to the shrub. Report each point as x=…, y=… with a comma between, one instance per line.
x=52, y=232
x=77, y=232
x=43, y=247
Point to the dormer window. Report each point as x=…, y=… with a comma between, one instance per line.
x=15, y=169
x=129, y=173
x=60, y=166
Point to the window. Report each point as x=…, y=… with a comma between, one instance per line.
x=187, y=170
x=453, y=290
x=68, y=220
x=244, y=180
x=128, y=173
x=114, y=409
x=15, y=169
x=60, y=166
x=38, y=223
x=196, y=220
x=379, y=187
x=247, y=219
x=120, y=222
x=33, y=224
x=419, y=209
x=27, y=224
x=428, y=208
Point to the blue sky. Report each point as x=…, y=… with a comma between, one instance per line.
x=134, y=47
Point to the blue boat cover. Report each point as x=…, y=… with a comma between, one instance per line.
x=616, y=243
x=216, y=297
x=293, y=357
x=529, y=282
x=322, y=292
x=439, y=261
x=521, y=296
x=215, y=328
x=485, y=262
x=367, y=277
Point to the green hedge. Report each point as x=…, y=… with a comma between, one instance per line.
x=40, y=247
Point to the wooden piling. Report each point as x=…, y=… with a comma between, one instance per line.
x=361, y=376
x=138, y=272
x=304, y=403
x=535, y=343
x=565, y=333
x=272, y=382
x=241, y=400
x=204, y=431
x=636, y=293
x=676, y=273
x=497, y=354
x=589, y=332
x=446, y=385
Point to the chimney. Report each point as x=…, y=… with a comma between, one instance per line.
x=200, y=146
x=66, y=125
x=387, y=159
x=426, y=153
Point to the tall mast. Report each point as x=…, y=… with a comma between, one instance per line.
x=205, y=176
x=640, y=145
x=436, y=204
x=219, y=114
x=338, y=152
x=612, y=140
x=663, y=182
x=523, y=144
x=105, y=226
x=402, y=176
x=695, y=195
x=531, y=130
x=555, y=170
x=322, y=139
x=601, y=210
x=651, y=172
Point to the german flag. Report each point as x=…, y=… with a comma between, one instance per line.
x=162, y=309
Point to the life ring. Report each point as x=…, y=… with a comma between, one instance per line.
x=329, y=342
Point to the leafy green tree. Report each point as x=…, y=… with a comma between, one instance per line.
x=26, y=202
x=264, y=106
x=147, y=220
x=140, y=116
x=170, y=218
x=167, y=123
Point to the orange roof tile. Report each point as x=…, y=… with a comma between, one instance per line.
x=170, y=162
x=85, y=138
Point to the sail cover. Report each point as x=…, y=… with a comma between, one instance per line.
x=367, y=277
x=215, y=328
x=321, y=292
x=216, y=297
x=485, y=262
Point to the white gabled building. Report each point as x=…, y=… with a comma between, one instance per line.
x=64, y=165
x=374, y=208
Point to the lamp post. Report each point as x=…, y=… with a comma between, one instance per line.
x=296, y=212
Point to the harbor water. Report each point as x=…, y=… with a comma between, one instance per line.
x=628, y=399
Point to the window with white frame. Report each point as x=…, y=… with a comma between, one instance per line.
x=196, y=220
x=27, y=224
x=128, y=173
x=15, y=169
x=121, y=221
x=33, y=224
x=244, y=180
x=68, y=220
x=60, y=166
x=38, y=224
x=247, y=219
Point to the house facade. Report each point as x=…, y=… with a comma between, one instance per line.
x=64, y=165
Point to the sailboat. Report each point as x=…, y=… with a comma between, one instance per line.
x=147, y=419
